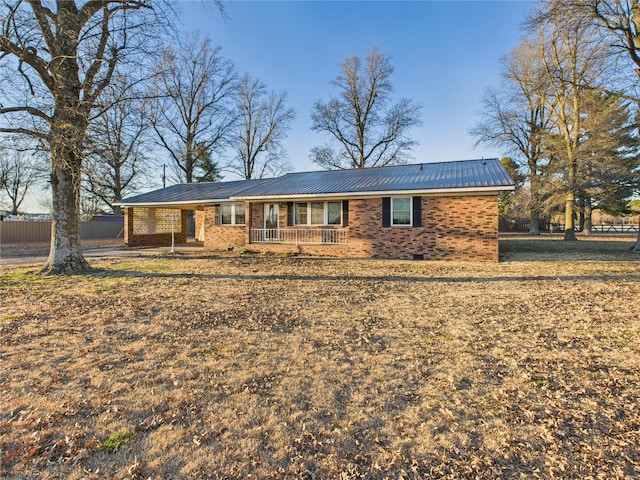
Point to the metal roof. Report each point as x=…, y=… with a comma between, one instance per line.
x=484, y=174
x=193, y=193
x=466, y=175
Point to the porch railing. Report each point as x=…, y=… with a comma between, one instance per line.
x=297, y=236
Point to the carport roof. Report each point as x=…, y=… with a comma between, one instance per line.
x=189, y=194
x=443, y=177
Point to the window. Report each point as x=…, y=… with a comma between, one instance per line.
x=301, y=214
x=401, y=211
x=238, y=213
x=226, y=214
x=318, y=213
x=232, y=214
x=334, y=212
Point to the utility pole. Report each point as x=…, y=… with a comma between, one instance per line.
x=164, y=175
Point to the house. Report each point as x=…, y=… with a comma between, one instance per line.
x=446, y=210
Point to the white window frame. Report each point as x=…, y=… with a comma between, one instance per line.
x=233, y=215
x=410, y=224
x=325, y=214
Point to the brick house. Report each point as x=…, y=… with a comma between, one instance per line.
x=445, y=210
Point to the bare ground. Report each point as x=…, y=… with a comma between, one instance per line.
x=271, y=367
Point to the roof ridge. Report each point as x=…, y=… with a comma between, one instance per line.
x=393, y=166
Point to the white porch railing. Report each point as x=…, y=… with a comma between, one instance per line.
x=297, y=236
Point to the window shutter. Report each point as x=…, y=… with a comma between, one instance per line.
x=417, y=211
x=216, y=214
x=289, y=214
x=345, y=213
x=386, y=211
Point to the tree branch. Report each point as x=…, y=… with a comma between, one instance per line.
x=43, y=15
x=25, y=131
x=31, y=110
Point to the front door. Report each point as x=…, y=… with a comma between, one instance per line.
x=271, y=224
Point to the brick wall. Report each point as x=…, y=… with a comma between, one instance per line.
x=462, y=228
x=256, y=215
x=221, y=237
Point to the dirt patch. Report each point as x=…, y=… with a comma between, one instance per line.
x=254, y=367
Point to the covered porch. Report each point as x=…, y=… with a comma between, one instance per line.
x=299, y=236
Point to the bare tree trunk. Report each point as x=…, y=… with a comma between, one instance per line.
x=588, y=211
x=636, y=247
x=534, y=216
x=569, y=231
x=65, y=254
x=534, y=224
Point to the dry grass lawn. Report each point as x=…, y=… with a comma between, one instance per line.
x=42, y=248
x=273, y=367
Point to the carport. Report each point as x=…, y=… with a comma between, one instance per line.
x=148, y=217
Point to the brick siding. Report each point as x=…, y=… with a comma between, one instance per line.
x=463, y=227
x=221, y=237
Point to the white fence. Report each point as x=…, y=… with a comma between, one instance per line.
x=298, y=236
x=628, y=228
x=33, y=232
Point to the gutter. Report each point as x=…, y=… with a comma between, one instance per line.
x=181, y=203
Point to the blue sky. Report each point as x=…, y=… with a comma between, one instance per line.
x=445, y=54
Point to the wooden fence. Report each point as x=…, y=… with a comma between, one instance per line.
x=33, y=232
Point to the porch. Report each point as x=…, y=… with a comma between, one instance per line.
x=300, y=236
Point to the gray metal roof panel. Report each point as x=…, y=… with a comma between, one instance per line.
x=484, y=173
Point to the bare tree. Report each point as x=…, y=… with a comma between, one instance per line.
x=515, y=117
x=619, y=21
x=366, y=129
x=262, y=122
x=573, y=61
x=58, y=59
x=117, y=157
x=194, y=118
x=20, y=170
